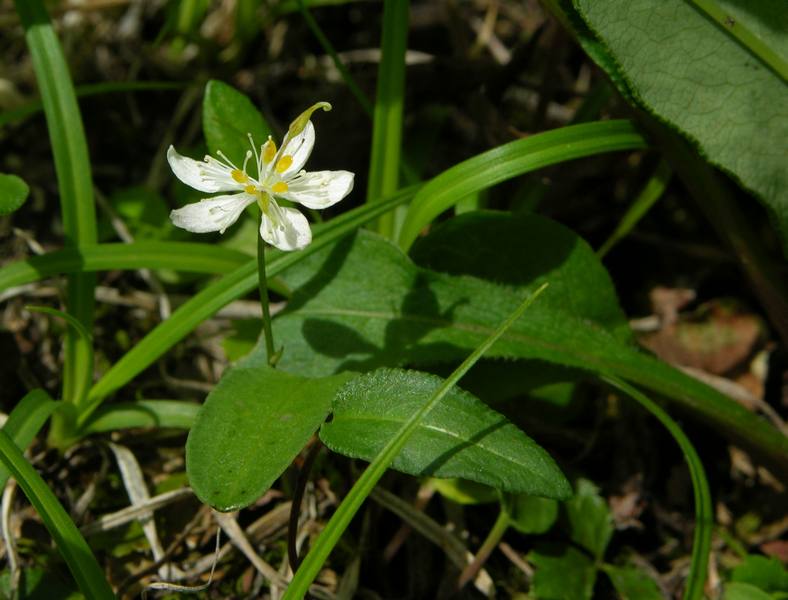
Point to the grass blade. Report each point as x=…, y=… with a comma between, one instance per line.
x=704, y=517
x=179, y=256
x=363, y=487
x=384, y=163
x=647, y=197
x=177, y=414
x=70, y=543
x=511, y=160
x=73, y=174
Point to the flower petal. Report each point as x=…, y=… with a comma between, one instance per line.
x=207, y=177
x=298, y=147
x=211, y=214
x=319, y=189
x=285, y=228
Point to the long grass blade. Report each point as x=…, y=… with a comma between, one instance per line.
x=704, y=517
x=513, y=159
x=73, y=174
x=70, y=543
x=384, y=166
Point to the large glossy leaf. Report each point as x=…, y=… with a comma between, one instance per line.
x=362, y=304
x=460, y=437
x=251, y=427
x=228, y=116
x=697, y=76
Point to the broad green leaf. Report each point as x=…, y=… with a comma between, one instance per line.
x=744, y=591
x=769, y=574
x=530, y=514
x=25, y=421
x=228, y=116
x=697, y=76
x=461, y=437
x=362, y=304
x=251, y=427
x=13, y=193
x=632, y=583
x=463, y=491
x=522, y=251
x=588, y=519
x=243, y=338
x=562, y=573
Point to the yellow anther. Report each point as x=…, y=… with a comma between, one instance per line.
x=269, y=151
x=239, y=176
x=283, y=164
x=280, y=187
x=250, y=189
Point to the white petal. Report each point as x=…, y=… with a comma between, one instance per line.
x=212, y=214
x=206, y=177
x=319, y=189
x=299, y=148
x=285, y=228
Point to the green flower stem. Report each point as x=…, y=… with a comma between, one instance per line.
x=497, y=532
x=363, y=487
x=262, y=283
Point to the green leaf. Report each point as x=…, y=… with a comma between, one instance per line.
x=460, y=437
x=588, y=519
x=513, y=159
x=25, y=421
x=143, y=413
x=228, y=116
x=251, y=427
x=361, y=304
x=562, y=573
x=522, y=251
x=694, y=74
x=632, y=584
x=530, y=514
x=463, y=491
x=13, y=193
x=744, y=591
x=769, y=574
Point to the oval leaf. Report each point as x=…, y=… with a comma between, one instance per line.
x=461, y=437
x=228, y=116
x=251, y=427
x=13, y=193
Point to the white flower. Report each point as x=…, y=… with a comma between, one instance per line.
x=279, y=174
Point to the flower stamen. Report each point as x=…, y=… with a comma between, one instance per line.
x=239, y=176
x=280, y=187
x=283, y=164
x=269, y=150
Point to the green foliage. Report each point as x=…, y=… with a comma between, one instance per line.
x=632, y=584
x=463, y=491
x=13, y=193
x=530, y=514
x=251, y=427
x=744, y=591
x=362, y=304
x=562, y=573
x=695, y=75
x=766, y=573
x=588, y=517
x=228, y=116
x=460, y=437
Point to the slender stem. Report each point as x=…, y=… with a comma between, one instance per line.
x=491, y=541
x=262, y=283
